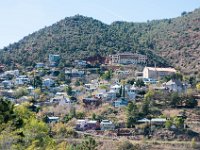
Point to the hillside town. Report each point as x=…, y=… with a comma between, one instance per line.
x=99, y=75
x=122, y=97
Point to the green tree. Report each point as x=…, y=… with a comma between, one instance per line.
x=179, y=122
x=168, y=124
x=192, y=81
x=149, y=95
x=145, y=107
x=193, y=143
x=131, y=81
x=72, y=111
x=67, y=118
x=175, y=99
x=176, y=76
x=36, y=134
x=77, y=83
x=132, y=114
x=139, y=83
x=89, y=144
x=80, y=115
x=25, y=130
x=69, y=90
x=6, y=111
x=190, y=102
x=198, y=87
x=37, y=82
x=94, y=116
x=107, y=75
x=61, y=76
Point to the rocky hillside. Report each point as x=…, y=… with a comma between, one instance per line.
x=173, y=42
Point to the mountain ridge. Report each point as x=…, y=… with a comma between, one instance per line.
x=166, y=42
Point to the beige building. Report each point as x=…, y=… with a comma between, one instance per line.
x=127, y=58
x=157, y=73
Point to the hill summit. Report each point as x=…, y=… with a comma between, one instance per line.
x=173, y=42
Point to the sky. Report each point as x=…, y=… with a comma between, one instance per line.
x=18, y=18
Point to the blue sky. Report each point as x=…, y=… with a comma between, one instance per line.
x=19, y=18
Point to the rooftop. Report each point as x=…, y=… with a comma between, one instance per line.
x=106, y=122
x=161, y=69
x=173, y=82
x=53, y=118
x=152, y=120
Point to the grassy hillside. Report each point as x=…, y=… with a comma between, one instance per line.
x=166, y=42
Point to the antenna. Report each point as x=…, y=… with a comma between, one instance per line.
x=156, y=70
x=154, y=64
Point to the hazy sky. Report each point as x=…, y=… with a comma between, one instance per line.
x=19, y=18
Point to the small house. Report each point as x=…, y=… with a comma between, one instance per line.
x=48, y=82
x=149, y=81
x=59, y=98
x=81, y=125
x=131, y=93
x=90, y=87
x=7, y=84
x=80, y=63
x=120, y=102
x=54, y=60
x=153, y=121
x=174, y=86
x=52, y=119
x=21, y=80
x=93, y=125
x=30, y=89
x=14, y=73
x=7, y=93
x=91, y=101
x=39, y=65
x=74, y=72
x=116, y=88
x=111, y=95
x=107, y=125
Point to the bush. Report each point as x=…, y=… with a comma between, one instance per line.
x=20, y=92
x=193, y=143
x=89, y=144
x=126, y=145
x=168, y=124
x=191, y=103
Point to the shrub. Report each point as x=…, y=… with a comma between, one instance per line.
x=126, y=145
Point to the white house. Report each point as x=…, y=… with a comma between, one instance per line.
x=131, y=93
x=21, y=80
x=52, y=119
x=174, y=86
x=80, y=62
x=12, y=72
x=7, y=84
x=30, y=90
x=157, y=73
x=111, y=95
x=48, y=82
x=155, y=121
x=39, y=65
x=107, y=125
x=81, y=124
x=74, y=72
x=116, y=88
x=90, y=87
